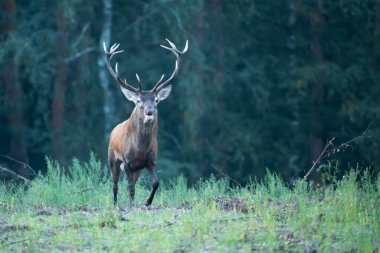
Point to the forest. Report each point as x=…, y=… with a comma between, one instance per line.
x=264, y=85
x=268, y=142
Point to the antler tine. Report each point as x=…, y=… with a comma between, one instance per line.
x=177, y=53
x=162, y=77
x=115, y=46
x=115, y=73
x=138, y=81
x=186, y=47
x=171, y=44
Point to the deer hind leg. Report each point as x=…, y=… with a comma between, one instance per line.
x=155, y=184
x=132, y=177
x=115, y=170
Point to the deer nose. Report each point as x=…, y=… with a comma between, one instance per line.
x=149, y=111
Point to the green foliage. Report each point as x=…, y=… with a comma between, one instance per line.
x=263, y=85
x=54, y=213
x=58, y=188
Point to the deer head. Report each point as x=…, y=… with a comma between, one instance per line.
x=145, y=100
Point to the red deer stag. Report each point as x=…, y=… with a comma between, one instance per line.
x=133, y=143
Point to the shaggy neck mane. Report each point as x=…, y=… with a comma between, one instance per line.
x=145, y=134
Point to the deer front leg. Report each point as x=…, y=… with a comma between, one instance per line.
x=132, y=177
x=155, y=184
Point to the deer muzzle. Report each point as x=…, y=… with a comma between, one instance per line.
x=149, y=114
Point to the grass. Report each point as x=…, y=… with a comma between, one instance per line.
x=75, y=213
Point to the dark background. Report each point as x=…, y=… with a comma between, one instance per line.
x=263, y=86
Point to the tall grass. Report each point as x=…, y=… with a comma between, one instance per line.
x=210, y=216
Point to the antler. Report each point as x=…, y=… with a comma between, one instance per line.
x=138, y=82
x=177, y=53
x=115, y=73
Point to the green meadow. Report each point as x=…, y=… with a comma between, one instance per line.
x=74, y=212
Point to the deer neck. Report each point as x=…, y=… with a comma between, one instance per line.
x=145, y=132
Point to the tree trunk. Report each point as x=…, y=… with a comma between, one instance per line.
x=317, y=22
x=376, y=50
x=108, y=106
x=377, y=33
x=60, y=85
x=291, y=44
x=194, y=92
x=13, y=94
x=83, y=88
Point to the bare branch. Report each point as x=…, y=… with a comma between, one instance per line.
x=79, y=54
x=84, y=190
x=14, y=242
x=326, y=151
x=14, y=174
x=80, y=38
x=329, y=143
x=225, y=175
x=137, y=21
x=20, y=162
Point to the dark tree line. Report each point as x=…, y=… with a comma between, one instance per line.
x=264, y=85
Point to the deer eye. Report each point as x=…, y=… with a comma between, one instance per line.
x=156, y=100
x=138, y=100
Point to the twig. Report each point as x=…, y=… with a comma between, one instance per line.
x=14, y=242
x=342, y=146
x=329, y=143
x=346, y=144
x=170, y=223
x=137, y=21
x=84, y=29
x=14, y=174
x=20, y=162
x=84, y=190
x=79, y=54
x=233, y=219
x=227, y=176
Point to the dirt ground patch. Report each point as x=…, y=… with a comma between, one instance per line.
x=233, y=204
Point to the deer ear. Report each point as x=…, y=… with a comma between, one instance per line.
x=130, y=95
x=164, y=93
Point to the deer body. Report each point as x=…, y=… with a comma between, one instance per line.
x=133, y=147
x=133, y=143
